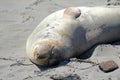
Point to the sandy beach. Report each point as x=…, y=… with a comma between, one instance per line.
x=18, y=18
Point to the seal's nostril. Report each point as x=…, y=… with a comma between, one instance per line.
x=38, y=56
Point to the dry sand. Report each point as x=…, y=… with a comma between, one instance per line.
x=18, y=18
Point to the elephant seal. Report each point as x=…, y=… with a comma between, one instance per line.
x=70, y=32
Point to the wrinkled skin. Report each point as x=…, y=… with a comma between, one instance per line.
x=70, y=32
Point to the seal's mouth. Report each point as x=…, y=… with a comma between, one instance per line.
x=45, y=60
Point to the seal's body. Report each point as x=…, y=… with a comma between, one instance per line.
x=70, y=32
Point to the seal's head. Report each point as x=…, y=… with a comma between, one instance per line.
x=46, y=53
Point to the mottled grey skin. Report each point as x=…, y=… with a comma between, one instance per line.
x=70, y=32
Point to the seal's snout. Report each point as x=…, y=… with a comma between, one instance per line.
x=41, y=51
x=41, y=54
x=45, y=54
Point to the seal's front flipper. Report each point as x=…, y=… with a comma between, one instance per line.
x=72, y=12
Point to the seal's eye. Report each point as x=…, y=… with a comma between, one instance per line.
x=54, y=51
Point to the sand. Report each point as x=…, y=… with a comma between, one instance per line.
x=18, y=18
